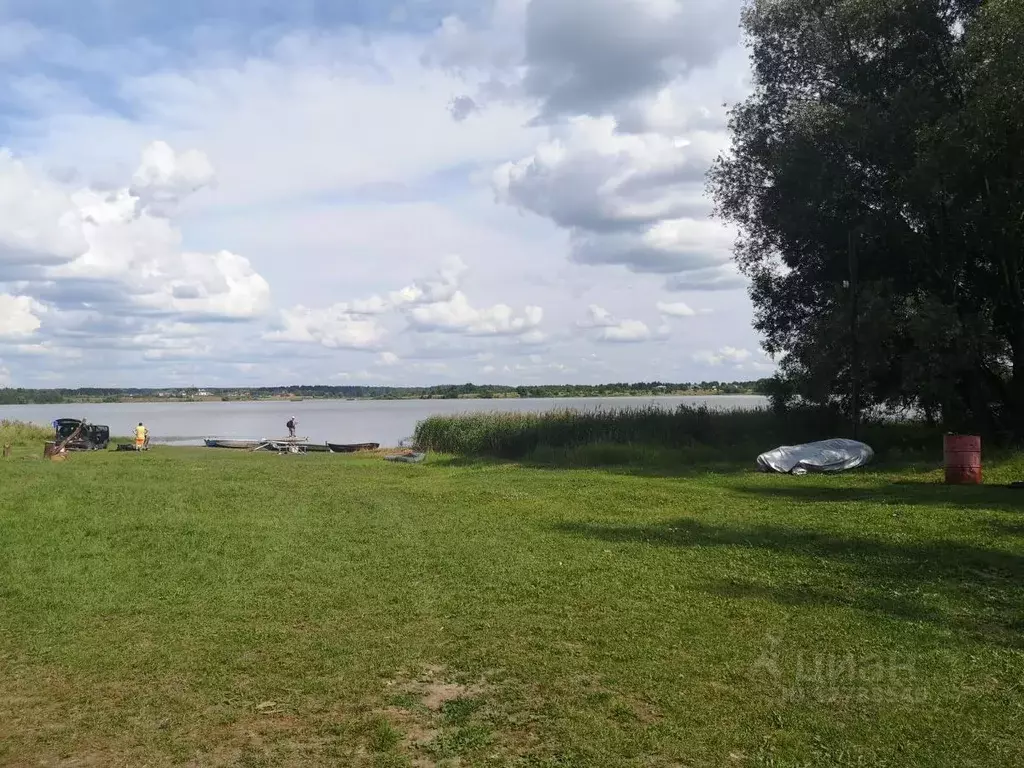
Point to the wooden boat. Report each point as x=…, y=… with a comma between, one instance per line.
x=351, y=447
x=224, y=442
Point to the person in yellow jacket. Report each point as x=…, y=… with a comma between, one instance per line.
x=141, y=437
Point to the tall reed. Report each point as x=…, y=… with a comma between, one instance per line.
x=23, y=433
x=515, y=435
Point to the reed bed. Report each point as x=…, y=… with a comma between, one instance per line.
x=518, y=435
x=20, y=433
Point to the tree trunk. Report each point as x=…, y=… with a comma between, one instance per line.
x=1016, y=404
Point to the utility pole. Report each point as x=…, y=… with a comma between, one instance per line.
x=854, y=341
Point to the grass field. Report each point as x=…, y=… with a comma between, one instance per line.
x=199, y=607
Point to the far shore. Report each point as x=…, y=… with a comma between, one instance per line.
x=219, y=399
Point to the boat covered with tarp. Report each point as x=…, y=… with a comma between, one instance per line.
x=837, y=455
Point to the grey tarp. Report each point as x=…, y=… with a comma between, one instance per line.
x=835, y=455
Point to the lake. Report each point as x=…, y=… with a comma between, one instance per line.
x=343, y=421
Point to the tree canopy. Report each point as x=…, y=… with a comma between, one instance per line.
x=876, y=178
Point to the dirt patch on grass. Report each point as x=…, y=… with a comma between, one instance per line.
x=433, y=688
x=437, y=694
x=436, y=716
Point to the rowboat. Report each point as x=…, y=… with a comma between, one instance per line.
x=351, y=447
x=300, y=444
x=224, y=442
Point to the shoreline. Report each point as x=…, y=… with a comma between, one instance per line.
x=286, y=401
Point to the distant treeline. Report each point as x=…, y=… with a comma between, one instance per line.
x=11, y=396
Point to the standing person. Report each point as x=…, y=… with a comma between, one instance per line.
x=141, y=437
x=291, y=426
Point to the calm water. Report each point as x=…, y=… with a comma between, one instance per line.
x=341, y=421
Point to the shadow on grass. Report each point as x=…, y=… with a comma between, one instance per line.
x=1007, y=529
x=659, y=464
x=968, y=589
x=682, y=469
x=899, y=493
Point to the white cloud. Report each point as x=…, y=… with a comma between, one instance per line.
x=110, y=246
x=626, y=331
x=334, y=327
x=634, y=200
x=722, y=356
x=312, y=113
x=697, y=101
x=457, y=315
x=362, y=376
x=593, y=178
x=590, y=58
x=632, y=94
x=724, y=278
x=442, y=288
x=321, y=193
x=221, y=285
x=375, y=305
x=46, y=348
x=532, y=371
x=597, y=317
x=39, y=224
x=165, y=177
x=534, y=337
x=611, y=329
x=19, y=316
x=670, y=246
x=16, y=39
x=429, y=306
x=675, y=309
x=431, y=367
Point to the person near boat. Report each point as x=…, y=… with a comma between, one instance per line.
x=141, y=437
x=291, y=426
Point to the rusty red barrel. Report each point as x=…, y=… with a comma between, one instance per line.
x=962, y=455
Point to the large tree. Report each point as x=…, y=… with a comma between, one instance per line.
x=877, y=180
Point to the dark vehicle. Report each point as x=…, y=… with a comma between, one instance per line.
x=93, y=437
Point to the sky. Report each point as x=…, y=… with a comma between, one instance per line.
x=220, y=193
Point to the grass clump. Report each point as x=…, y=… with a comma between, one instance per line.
x=383, y=737
x=21, y=433
x=635, y=435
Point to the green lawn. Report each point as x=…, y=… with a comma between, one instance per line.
x=201, y=607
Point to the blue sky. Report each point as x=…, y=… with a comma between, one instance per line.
x=228, y=192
